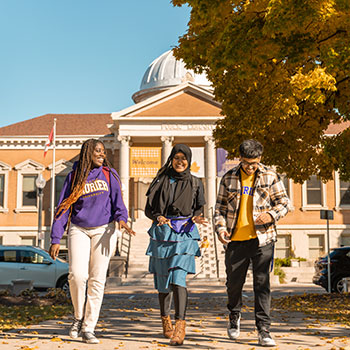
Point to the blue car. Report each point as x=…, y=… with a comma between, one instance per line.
x=18, y=262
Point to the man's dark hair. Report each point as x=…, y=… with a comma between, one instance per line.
x=251, y=149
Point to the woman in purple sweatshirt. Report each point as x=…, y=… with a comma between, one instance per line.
x=90, y=205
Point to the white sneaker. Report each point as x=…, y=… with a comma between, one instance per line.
x=233, y=327
x=89, y=337
x=265, y=339
x=75, y=328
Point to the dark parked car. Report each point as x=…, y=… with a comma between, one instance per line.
x=32, y=263
x=340, y=268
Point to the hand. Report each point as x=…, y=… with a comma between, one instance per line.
x=263, y=218
x=54, y=250
x=200, y=219
x=162, y=220
x=224, y=237
x=124, y=226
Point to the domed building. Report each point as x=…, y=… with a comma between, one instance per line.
x=164, y=73
x=174, y=105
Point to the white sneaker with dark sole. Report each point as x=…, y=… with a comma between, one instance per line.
x=89, y=337
x=265, y=339
x=75, y=328
x=233, y=327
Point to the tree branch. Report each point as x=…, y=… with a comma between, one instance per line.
x=341, y=81
x=331, y=36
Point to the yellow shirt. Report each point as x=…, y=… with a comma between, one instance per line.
x=245, y=228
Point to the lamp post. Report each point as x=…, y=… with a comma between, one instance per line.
x=328, y=215
x=40, y=184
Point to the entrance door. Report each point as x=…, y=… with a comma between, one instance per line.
x=142, y=187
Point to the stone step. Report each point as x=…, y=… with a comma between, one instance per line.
x=138, y=257
x=299, y=269
x=138, y=265
x=139, y=274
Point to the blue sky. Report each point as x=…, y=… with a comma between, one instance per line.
x=79, y=56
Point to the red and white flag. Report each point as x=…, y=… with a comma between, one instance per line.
x=48, y=142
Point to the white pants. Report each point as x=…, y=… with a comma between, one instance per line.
x=90, y=250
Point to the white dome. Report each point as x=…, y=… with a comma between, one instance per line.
x=165, y=72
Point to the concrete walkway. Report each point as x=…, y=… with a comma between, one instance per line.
x=130, y=320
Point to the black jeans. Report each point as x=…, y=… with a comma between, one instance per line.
x=237, y=258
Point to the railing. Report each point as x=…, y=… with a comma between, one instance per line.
x=125, y=242
x=209, y=251
x=211, y=213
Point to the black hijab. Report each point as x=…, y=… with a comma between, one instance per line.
x=159, y=190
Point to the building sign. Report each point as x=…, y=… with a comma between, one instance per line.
x=224, y=164
x=144, y=161
x=197, y=166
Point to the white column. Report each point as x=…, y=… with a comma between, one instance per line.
x=124, y=165
x=167, y=145
x=210, y=172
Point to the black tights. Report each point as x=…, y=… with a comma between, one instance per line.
x=180, y=302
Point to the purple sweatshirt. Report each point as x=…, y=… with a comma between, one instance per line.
x=100, y=203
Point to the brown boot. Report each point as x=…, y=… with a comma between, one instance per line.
x=167, y=327
x=179, y=333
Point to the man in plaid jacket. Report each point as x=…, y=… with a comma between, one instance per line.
x=251, y=199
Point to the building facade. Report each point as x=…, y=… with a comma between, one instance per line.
x=174, y=105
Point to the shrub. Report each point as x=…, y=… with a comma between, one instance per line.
x=286, y=262
x=283, y=262
x=29, y=293
x=280, y=273
x=4, y=293
x=58, y=295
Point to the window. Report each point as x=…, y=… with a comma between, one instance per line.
x=283, y=245
x=59, y=181
x=345, y=240
x=64, y=248
x=2, y=180
x=29, y=190
x=62, y=169
x=8, y=256
x=0, y=240
x=316, y=246
x=64, y=242
x=27, y=172
x=285, y=181
x=29, y=257
x=30, y=240
x=344, y=193
x=288, y=185
x=314, y=196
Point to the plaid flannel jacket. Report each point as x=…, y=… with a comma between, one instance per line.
x=269, y=195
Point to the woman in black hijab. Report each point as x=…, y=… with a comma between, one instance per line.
x=175, y=201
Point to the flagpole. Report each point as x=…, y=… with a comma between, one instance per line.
x=52, y=212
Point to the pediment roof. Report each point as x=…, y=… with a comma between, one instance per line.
x=185, y=100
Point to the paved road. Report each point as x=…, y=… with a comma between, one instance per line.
x=130, y=320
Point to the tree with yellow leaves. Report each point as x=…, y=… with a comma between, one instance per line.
x=281, y=70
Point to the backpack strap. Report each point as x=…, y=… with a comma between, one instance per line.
x=195, y=185
x=107, y=173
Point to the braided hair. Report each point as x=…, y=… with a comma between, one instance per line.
x=80, y=174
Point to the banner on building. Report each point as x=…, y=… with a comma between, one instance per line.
x=144, y=161
x=223, y=164
x=197, y=167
